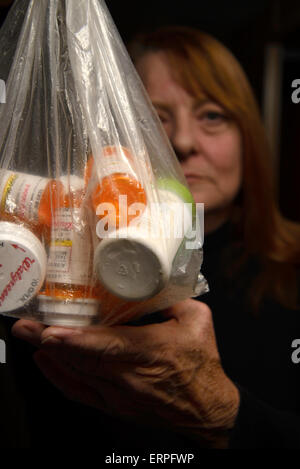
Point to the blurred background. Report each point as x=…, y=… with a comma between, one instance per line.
x=265, y=36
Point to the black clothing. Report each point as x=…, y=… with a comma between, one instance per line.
x=255, y=351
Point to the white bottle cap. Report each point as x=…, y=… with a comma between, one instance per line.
x=66, y=312
x=23, y=263
x=131, y=266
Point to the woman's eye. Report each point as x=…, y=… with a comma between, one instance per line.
x=210, y=116
x=214, y=116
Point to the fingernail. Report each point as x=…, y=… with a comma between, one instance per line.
x=51, y=340
x=61, y=334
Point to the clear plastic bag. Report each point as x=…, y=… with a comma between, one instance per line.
x=96, y=221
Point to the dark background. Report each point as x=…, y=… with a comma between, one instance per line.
x=246, y=27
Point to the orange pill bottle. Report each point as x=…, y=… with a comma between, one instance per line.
x=69, y=296
x=26, y=205
x=114, y=180
x=29, y=198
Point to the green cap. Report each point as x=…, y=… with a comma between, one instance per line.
x=179, y=189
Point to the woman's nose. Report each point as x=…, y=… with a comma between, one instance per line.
x=183, y=139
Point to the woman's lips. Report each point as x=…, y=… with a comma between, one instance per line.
x=197, y=179
x=191, y=177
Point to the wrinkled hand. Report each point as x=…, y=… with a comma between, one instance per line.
x=162, y=374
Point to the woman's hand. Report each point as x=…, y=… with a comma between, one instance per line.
x=161, y=374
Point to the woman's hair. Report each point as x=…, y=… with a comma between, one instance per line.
x=202, y=64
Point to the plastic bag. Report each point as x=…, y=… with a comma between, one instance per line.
x=96, y=221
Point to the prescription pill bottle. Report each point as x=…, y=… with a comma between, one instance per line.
x=26, y=207
x=135, y=262
x=23, y=262
x=31, y=198
x=69, y=296
x=115, y=186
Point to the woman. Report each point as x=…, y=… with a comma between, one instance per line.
x=210, y=96
x=217, y=374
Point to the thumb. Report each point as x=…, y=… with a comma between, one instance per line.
x=187, y=310
x=85, y=339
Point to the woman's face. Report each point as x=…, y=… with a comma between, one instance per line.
x=207, y=143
